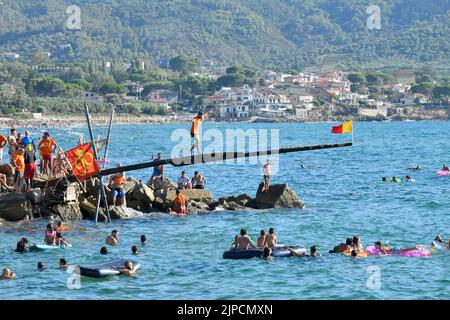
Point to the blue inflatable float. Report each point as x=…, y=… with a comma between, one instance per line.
x=105, y=269
x=277, y=252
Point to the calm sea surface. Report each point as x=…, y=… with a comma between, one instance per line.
x=183, y=259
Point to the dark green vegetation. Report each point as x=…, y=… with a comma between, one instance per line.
x=280, y=34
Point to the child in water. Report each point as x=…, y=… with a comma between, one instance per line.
x=7, y=274
x=127, y=269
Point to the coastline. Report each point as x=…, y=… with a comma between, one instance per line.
x=59, y=120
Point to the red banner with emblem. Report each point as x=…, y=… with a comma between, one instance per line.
x=83, y=161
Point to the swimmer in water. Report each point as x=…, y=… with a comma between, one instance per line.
x=384, y=179
x=387, y=249
x=113, y=238
x=127, y=269
x=267, y=254
x=104, y=250
x=7, y=274
x=261, y=242
x=143, y=240
x=22, y=245
x=63, y=264
x=312, y=252
x=41, y=266
x=343, y=246
x=60, y=241
x=356, y=244
x=134, y=250
x=439, y=239
x=394, y=179
x=445, y=167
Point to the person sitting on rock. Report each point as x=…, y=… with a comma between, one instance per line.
x=7, y=274
x=180, y=203
x=198, y=181
x=112, y=239
x=243, y=241
x=117, y=182
x=184, y=182
x=271, y=238
x=3, y=183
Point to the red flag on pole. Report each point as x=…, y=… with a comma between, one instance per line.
x=83, y=161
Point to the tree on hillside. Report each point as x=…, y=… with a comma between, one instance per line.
x=357, y=77
x=183, y=64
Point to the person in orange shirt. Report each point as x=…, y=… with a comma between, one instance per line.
x=46, y=148
x=181, y=203
x=19, y=163
x=117, y=182
x=3, y=143
x=195, y=132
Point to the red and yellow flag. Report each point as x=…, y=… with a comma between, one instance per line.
x=343, y=128
x=83, y=161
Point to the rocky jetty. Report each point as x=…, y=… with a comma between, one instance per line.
x=59, y=201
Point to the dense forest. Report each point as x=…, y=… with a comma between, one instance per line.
x=257, y=33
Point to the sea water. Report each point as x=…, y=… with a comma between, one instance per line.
x=183, y=257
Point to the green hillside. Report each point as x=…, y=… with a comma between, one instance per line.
x=260, y=33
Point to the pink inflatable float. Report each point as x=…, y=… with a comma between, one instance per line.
x=443, y=173
x=421, y=251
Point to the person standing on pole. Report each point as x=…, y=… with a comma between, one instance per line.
x=195, y=132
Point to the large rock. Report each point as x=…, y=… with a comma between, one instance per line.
x=7, y=170
x=159, y=184
x=67, y=212
x=141, y=198
x=35, y=196
x=279, y=196
x=87, y=207
x=14, y=206
x=195, y=207
x=119, y=213
x=192, y=194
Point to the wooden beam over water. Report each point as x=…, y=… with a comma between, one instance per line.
x=212, y=157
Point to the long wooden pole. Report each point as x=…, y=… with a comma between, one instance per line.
x=99, y=176
x=108, y=138
x=212, y=157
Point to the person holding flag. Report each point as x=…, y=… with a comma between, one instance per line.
x=195, y=132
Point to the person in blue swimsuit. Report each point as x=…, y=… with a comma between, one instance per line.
x=158, y=171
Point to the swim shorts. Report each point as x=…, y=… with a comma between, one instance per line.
x=120, y=192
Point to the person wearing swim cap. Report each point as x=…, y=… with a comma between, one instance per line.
x=195, y=132
x=112, y=239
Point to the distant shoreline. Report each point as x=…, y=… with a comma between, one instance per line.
x=64, y=121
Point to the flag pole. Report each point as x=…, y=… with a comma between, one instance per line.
x=101, y=188
x=353, y=137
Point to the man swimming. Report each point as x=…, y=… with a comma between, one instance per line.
x=271, y=238
x=343, y=246
x=243, y=241
x=112, y=239
x=388, y=250
x=127, y=269
x=22, y=245
x=267, y=254
x=445, y=167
